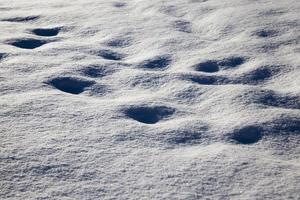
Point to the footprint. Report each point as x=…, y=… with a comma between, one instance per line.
x=206, y=80
x=119, y=4
x=272, y=12
x=95, y=71
x=247, y=135
x=208, y=66
x=270, y=98
x=70, y=85
x=149, y=115
x=183, y=26
x=118, y=43
x=266, y=33
x=27, y=43
x=47, y=32
x=258, y=75
x=184, y=136
x=21, y=19
x=110, y=55
x=159, y=62
x=2, y=56
x=211, y=66
x=148, y=80
x=99, y=90
x=170, y=10
x=231, y=62
x=284, y=126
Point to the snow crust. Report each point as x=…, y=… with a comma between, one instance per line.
x=138, y=99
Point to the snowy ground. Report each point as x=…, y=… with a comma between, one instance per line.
x=139, y=99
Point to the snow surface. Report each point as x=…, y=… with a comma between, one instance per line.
x=139, y=99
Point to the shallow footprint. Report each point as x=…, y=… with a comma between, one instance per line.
x=270, y=98
x=183, y=26
x=110, y=55
x=159, y=62
x=47, y=32
x=186, y=135
x=21, y=19
x=206, y=80
x=70, y=85
x=28, y=43
x=258, y=75
x=118, y=43
x=95, y=71
x=231, y=62
x=2, y=56
x=149, y=115
x=119, y=4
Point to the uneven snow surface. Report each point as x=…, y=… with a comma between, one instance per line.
x=140, y=99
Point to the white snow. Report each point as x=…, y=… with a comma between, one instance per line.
x=138, y=99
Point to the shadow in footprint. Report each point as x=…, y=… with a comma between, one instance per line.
x=266, y=33
x=28, y=43
x=270, y=98
x=119, y=4
x=184, y=136
x=160, y=62
x=110, y=55
x=207, y=80
x=2, y=56
x=149, y=115
x=211, y=66
x=95, y=71
x=21, y=19
x=285, y=126
x=47, y=32
x=70, y=85
x=258, y=75
x=247, y=135
x=208, y=66
x=231, y=62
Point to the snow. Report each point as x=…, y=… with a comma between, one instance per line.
x=137, y=99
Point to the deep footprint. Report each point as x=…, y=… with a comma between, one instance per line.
x=212, y=66
x=208, y=66
x=149, y=115
x=21, y=19
x=247, y=135
x=160, y=62
x=110, y=55
x=47, y=32
x=28, y=43
x=70, y=85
